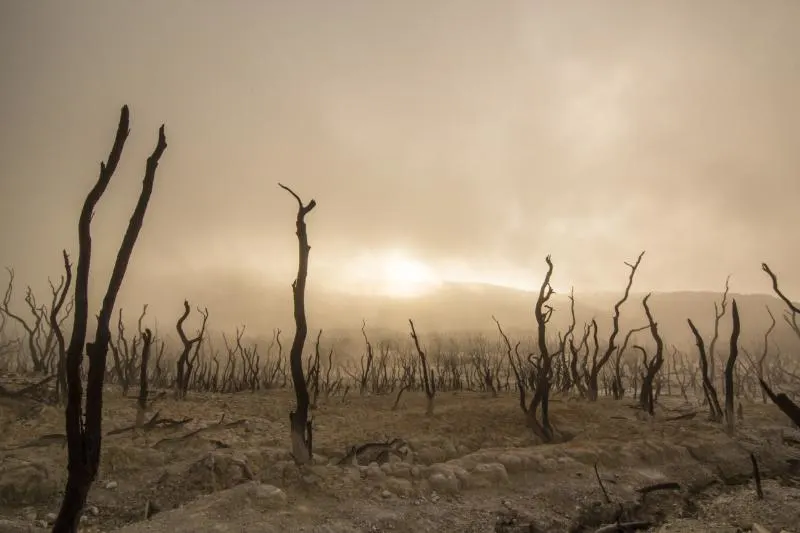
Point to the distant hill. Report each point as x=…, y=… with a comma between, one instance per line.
x=234, y=300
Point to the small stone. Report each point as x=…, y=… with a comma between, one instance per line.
x=93, y=510
x=386, y=494
x=268, y=496
x=442, y=483
x=111, y=485
x=50, y=518
x=399, y=486
x=30, y=515
x=374, y=472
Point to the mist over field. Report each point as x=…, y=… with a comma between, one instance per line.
x=506, y=265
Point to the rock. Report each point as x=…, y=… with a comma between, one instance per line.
x=399, y=486
x=402, y=470
x=386, y=494
x=265, y=496
x=374, y=472
x=494, y=473
x=26, y=484
x=93, y=510
x=8, y=526
x=512, y=463
x=111, y=485
x=50, y=518
x=440, y=482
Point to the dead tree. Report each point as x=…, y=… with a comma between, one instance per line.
x=764, y=352
x=793, y=312
x=516, y=368
x=141, y=402
x=708, y=386
x=597, y=365
x=719, y=312
x=185, y=364
x=618, y=387
x=428, y=381
x=32, y=330
x=730, y=366
x=652, y=367
x=313, y=374
x=84, y=437
x=541, y=396
x=300, y=424
x=366, y=360
x=783, y=402
x=55, y=325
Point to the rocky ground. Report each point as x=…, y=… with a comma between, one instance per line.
x=471, y=467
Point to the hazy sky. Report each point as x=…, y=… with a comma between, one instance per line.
x=471, y=136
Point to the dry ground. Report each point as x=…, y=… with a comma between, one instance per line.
x=472, y=466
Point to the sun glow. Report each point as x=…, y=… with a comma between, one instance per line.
x=397, y=273
x=394, y=273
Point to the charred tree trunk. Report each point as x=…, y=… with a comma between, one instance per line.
x=648, y=396
x=730, y=417
x=708, y=386
x=147, y=339
x=300, y=424
x=541, y=396
x=61, y=374
x=597, y=365
x=84, y=438
x=428, y=381
x=185, y=365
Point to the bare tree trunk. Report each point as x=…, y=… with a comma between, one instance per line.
x=730, y=417
x=300, y=424
x=147, y=338
x=708, y=386
x=84, y=439
x=597, y=365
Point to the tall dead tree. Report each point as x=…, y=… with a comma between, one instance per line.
x=428, y=381
x=730, y=417
x=597, y=365
x=719, y=312
x=783, y=402
x=185, y=363
x=653, y=366
x=764, y=352
x=141, y=401
x=300, y=424
x=793, y=314
x=542, y=312
x=84, y=436
x=366, y=360
x=55, y=325
x=708, y=386
x=617, y=386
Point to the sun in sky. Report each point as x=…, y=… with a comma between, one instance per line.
x=398, y=273
x=393, y=273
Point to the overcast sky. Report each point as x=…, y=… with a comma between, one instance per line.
x=473, y=136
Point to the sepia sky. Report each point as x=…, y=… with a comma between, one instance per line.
x=455, y=140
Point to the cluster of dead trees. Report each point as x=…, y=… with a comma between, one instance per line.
x=575, y=362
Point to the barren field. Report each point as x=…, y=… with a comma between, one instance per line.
x=471, y=467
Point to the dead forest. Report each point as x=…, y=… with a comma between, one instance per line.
x=46, y=358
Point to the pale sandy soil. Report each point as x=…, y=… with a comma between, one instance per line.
x=472, y=467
